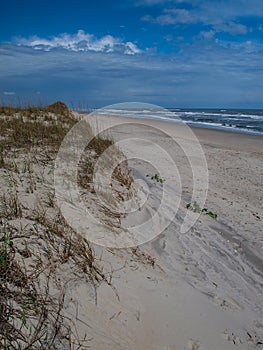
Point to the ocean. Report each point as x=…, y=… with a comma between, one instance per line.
x=234, y=120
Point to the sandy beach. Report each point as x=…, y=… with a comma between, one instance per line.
x=131, y=175
x=205, y=289
x=194, y=289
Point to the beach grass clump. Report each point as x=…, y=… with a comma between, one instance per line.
x=9, y=110
x=41, y=256
x=59, y=108
x=10, y=206
x=97, y=146
x=14, y=294
x=30, y=318
x=6, y=245
x=144, y=257
x=120, y=188
x=37, y=246
x=32, y=126
x=123, y=175
x=27, y=133
x=32, y=289
x=91, y=154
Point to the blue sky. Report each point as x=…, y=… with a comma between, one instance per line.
x=175, y=53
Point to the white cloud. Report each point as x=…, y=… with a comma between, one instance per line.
x=182, y=16
x=231, y=28
x=172, y=16
x=80, y=41
x=220, y=18
x=230, y=10
x=215, y=9
x=208, y=34
x=131, y=49
x=246, y=46
x=9, y=93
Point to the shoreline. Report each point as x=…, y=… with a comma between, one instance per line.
x=235, y=139
x=229, y=120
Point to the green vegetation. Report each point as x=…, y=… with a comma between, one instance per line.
x=157, y=178
x=59, y=108
x=195, y=207
x=27, y=132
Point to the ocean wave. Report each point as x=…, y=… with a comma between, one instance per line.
x=234, y=120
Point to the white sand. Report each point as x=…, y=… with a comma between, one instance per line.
x=205, y=290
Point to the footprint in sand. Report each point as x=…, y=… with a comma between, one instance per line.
x=253, y=338
x=231, y=337
x=250, y=338
x=194, y=345
x=226, y=303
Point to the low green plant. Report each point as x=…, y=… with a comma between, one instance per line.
x=157, y=178
x=210, y=213
x=195, y=207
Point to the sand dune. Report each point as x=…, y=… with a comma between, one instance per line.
x=174, y=261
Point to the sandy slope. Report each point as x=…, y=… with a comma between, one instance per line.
x=205, y=289
x=199, y=289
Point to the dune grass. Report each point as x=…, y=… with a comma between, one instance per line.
x=34, y=126
x=36, y=244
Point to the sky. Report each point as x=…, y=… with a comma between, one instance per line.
x=173, y=53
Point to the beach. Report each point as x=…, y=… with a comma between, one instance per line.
x=205, y=289
x=174, y=263
x=131, y=175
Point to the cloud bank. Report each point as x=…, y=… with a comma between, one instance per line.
x=199, y=76
x=80, y=42
x=220, y=16
x=174, y=16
